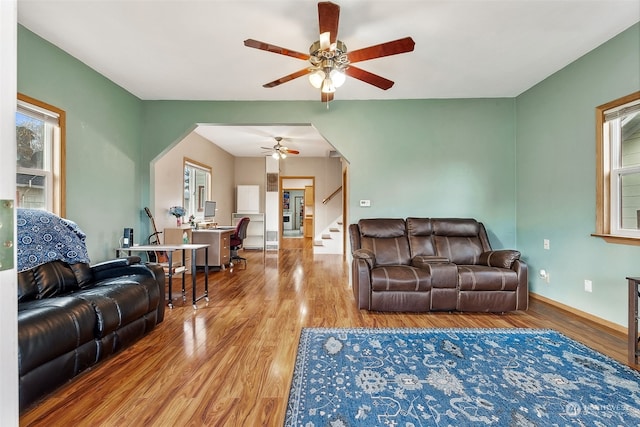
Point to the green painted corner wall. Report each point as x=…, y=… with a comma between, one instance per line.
x=410, y=158
x=524, y=166
x=555, y=163
x=103, y=131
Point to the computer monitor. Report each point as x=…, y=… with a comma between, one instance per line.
x=209, y=210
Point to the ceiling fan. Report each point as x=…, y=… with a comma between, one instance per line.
x=279, y=151
x=329, y=58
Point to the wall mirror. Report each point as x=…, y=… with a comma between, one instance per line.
x=197, y=187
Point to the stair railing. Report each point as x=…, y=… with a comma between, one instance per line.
x=331, y=196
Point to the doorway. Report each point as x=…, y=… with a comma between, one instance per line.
x=296, y=208
x=292, y=212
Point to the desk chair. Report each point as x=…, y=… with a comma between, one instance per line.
x=235, y=242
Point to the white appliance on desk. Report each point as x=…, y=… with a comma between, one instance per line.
x=287, y=221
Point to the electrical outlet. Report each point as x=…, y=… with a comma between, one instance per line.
x=544, y=275
x=365, y=203
x=545, y=244
x=588, y=285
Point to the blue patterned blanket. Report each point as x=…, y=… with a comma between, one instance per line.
x=45, y=237
x=457, y=377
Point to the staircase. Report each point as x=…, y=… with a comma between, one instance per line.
x=330, y=241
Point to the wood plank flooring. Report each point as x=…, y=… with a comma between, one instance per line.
x=229, y=363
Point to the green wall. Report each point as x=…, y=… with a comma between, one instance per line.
x=556, y=180
x=460, y=157
x=103, y=140
x=410, y=158
x=413, y=157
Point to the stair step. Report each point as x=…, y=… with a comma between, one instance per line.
x=326, y=236
x=318, y=243
x=334, y=229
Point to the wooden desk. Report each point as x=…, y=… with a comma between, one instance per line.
x=170, y=249
x=218, y=240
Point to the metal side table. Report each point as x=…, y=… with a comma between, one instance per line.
x=170, y=249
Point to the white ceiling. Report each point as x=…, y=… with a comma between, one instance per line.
x=248, y=141
x=193, y=49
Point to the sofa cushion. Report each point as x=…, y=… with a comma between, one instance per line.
x=485, y=278
x=502, y=258
x=45, y=281
x=459, y=250
x=117, y=302
x=83, y=273
x=382, y=227
x=456, y=227
x=458, y=239
x=52, y=327
x=400, y=278
x=420, y=232
x=27, y=286
x=387, y=239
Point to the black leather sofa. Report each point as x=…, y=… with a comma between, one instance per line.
x=72, y=316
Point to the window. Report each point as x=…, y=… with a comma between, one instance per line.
x=618, y=170
x=197, y=184
x=40, y=156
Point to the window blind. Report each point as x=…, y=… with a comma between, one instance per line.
x=622, y=110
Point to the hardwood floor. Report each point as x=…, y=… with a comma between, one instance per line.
x=229, y=363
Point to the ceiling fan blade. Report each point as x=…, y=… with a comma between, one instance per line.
x=275, y=49
x=289, y=151
x=367, y=77
x=287, y=78
x=326, y=97
x=384, y=49
x=328, y=17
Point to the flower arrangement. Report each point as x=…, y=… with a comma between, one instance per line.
x=177, y=211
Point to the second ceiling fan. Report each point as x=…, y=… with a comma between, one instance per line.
x=329, y=58
x=279, y=151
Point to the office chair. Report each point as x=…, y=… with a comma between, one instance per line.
x=235, y=242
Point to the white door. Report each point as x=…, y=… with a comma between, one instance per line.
x=9, y=313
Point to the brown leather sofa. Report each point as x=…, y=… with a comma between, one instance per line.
x=433, y=264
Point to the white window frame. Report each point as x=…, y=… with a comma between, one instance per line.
x=610, y=171
x=191, y=207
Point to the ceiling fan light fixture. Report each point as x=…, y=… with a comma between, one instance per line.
x=329, y=56
x=316, y=78
x=337, y=77
x=328, y=86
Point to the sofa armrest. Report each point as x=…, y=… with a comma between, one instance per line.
x=113, y=263
x=118, y=267
x=501, y=258
x=368, y=256
x=424, y=261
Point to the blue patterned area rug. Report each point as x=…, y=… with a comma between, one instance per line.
x=457, y=377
